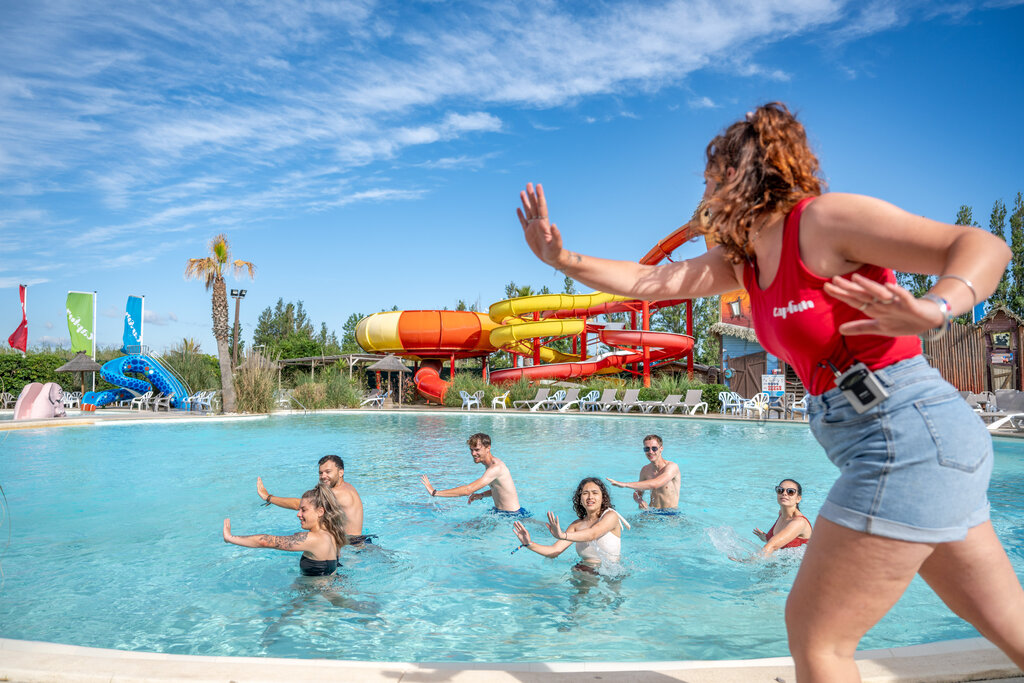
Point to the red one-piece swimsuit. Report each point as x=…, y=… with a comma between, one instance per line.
x=795, y=543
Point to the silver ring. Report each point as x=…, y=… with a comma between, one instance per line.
x=890, y=300
x=864, y=305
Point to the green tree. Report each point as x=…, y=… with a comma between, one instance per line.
x=287, y=330
x=1016, y=297
x=997, y=226
x=211, y=269
x=348, y=336
x=965, y=216
x=568, y=285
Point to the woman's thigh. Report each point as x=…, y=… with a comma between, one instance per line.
x=975, y=579
x=847, y=581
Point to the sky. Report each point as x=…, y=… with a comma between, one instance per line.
x=366, y=155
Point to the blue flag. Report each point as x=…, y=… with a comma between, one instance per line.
x=132, y=339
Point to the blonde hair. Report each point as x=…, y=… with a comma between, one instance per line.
x=774, y=169
x=333, y=519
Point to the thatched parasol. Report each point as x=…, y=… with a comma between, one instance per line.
x=390, y=363
x=80, y=363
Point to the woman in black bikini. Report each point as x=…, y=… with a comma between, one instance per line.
x=320, y=543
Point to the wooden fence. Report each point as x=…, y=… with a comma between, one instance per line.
x=960, y=356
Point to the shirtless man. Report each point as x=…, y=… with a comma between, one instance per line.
x=496, y=474
x=332, y=473
x=659, y=476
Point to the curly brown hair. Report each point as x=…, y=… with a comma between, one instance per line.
x=775, y=169
x=577, y=503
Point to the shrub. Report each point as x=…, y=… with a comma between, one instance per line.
x=200, y=371
x=255, y=382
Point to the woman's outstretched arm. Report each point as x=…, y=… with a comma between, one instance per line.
x=296, y=543
x=705, y=275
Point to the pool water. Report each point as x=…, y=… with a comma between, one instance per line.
x=115, y=541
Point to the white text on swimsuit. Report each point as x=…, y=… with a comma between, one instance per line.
x=783, y=311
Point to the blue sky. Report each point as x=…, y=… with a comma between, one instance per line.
x=367, y=155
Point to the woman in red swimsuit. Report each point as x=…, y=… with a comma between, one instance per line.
x=914, y=466
x=791, y=529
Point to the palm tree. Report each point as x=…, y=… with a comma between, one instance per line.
x=211, y=270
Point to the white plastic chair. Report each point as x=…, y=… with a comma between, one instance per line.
x=553, y=401
x=590, y=402
x=758, y=402
x=501, y=401
x=140, y=402
x=731, y=402
x=469, y=400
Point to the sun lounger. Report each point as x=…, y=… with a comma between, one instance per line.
x=542, y=395
x=629, y=401
x=694, y=401
x=569, y=397
x=608, y=400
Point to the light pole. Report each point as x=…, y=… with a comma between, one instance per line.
x=238, y=294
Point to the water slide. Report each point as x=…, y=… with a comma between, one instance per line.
x=39, y=401
x=435, y=336
x=429, y=336
x=154, y=377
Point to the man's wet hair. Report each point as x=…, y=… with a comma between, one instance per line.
x=332, y=458
x=653, y=437
x=479, y=439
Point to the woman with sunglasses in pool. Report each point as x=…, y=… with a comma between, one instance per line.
x=914, y=461
x=321, y=540
x=791, y=529
x=597, y=532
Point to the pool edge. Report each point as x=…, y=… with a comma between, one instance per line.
x=973, y=659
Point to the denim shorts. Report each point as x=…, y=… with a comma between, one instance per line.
x=915, y=467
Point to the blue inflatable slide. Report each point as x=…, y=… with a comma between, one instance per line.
x=151, y=377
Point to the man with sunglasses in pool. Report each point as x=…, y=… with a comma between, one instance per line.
x=332, y=473
x=496, y=474
x=659, y=476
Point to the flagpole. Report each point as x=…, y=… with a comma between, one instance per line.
x=24, y=315
x=94, y=337
x=142, y=324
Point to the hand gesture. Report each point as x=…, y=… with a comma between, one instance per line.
x=227, y=530
x=760, y=534
x=892, y=311
x=554, y=527
x=261, y=490
x=638, y=496
x=472, y=497
x=521, y=533
x=543, y=237
x=614, y=483
x=426, y=483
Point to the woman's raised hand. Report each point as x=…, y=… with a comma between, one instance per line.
x=543, y=236
x=554, y=527
x=521, y=533
x=892, y=310
x=760, y=534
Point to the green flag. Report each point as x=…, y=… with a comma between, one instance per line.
x=80, y=320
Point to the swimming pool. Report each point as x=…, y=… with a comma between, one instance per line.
x=115, y=541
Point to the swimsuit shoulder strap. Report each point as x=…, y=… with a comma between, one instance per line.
x=622, y=520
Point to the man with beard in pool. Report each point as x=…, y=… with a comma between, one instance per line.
x=659, y=476
x=332, y=473
x=496, y=474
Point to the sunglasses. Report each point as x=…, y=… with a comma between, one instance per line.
x=651, y=449
x=779, y=490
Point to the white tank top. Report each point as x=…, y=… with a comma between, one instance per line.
x=603, y=549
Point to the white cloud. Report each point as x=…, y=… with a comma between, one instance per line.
x=155, y=318
x=702, y=103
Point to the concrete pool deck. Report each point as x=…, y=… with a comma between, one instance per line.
x=973, y=659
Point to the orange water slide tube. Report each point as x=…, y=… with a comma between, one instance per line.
x=424, y=335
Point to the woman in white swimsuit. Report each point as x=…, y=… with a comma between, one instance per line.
x=597, y=534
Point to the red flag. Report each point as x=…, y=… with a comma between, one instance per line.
x=19, y=340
